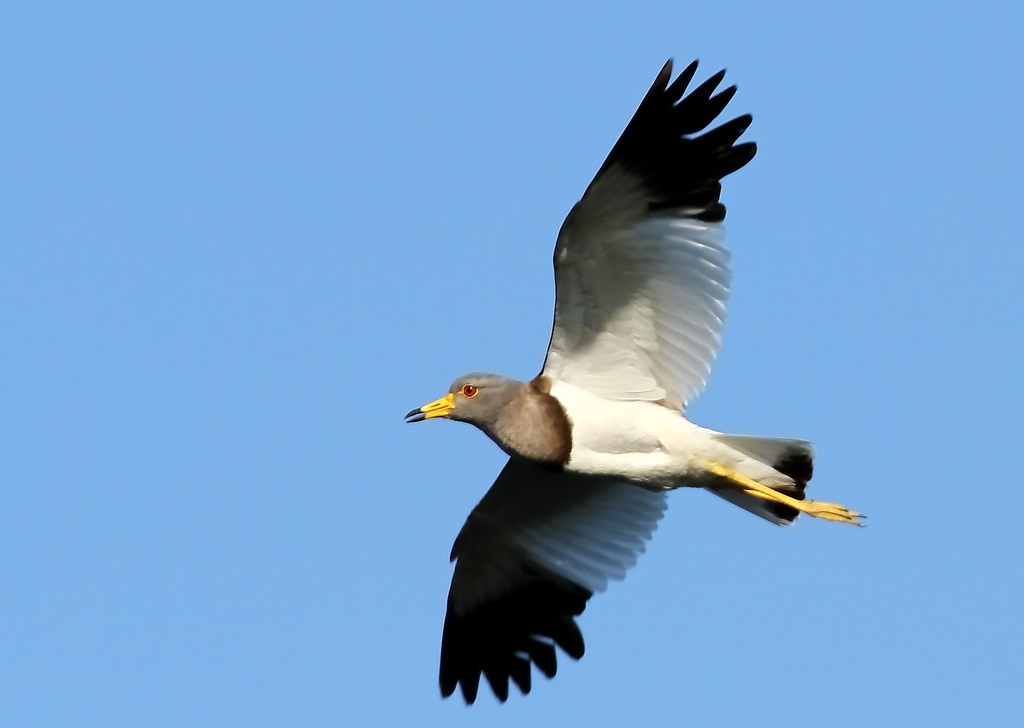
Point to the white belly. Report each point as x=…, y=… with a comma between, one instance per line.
x=640, y=441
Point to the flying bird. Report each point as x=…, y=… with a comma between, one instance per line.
x=598, y=438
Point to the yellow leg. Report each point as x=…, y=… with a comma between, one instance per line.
x=818, y=509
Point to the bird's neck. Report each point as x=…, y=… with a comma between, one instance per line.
x=534, y=426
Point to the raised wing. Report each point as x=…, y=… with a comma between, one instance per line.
x=530, y=555
x=641, y=273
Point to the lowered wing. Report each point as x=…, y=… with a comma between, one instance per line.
x=538, y=545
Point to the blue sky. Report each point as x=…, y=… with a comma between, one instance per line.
x=239, y=241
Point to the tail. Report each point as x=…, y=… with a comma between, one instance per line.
x=782, y=465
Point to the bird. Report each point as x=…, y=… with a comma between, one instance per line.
x=598, y=438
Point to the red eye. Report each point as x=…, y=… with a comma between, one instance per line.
x=469, y=390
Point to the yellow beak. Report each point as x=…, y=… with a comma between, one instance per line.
x=438, y=408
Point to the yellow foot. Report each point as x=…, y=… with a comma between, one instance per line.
x=818, y=509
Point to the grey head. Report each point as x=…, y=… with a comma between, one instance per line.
x=521, y=417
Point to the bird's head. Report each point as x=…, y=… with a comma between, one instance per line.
x=474, y=398
x=521, y=417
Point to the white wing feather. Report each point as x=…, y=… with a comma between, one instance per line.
x=535, y=522
x=641, y=297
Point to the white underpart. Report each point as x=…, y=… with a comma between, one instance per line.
x=644, y=442
x=640, y=300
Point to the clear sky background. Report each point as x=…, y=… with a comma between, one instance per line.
x=238, y=241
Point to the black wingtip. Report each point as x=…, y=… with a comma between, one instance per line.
x=499, y=639
x=664, y=75
x=677, y=88
x=660, y=145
